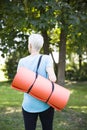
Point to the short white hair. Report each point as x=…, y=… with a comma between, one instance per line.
x=36, y=40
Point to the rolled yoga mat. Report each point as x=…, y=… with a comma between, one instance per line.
x=41, y=88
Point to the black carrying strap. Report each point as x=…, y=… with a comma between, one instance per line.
x=38, y=63
x=36, y=78
x=51, y=92
x=36, y=73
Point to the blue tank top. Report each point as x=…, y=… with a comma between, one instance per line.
x=31, y=104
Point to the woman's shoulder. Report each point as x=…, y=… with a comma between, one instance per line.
x=24, y=58
x=47, y=57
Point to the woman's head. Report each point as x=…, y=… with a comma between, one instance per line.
x=35, y=42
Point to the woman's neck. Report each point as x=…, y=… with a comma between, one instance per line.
x=33, y=52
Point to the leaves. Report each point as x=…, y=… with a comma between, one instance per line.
x=18, y=18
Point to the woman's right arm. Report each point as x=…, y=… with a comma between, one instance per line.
x=51, y=74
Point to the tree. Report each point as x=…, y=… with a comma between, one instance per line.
x=40, y=16
x=71, y=16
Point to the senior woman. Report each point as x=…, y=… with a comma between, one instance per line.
x=32, y=107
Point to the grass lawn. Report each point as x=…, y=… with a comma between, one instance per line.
x=73, y=117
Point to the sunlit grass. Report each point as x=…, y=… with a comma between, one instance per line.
x=13, y=97
x=78, y=98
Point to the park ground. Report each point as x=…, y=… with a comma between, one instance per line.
x=72, y=117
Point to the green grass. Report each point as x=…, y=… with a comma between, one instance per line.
x=73, y=117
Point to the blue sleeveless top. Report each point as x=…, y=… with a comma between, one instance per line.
x=31, y=104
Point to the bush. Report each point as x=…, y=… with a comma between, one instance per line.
x=11, y=64
x=10, y=67
x=77, y=74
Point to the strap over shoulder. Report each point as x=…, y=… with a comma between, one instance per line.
x=38, y=63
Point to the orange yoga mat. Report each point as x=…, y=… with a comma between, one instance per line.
x=41, y=88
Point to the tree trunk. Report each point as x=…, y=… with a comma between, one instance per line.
x=46, y=42
x=62, y=58
x=80, y=62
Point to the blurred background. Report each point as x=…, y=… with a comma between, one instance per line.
x=63, y=24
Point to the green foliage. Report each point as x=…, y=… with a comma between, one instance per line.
x=18, y=18
x=11, y=67
x=76, y=74
x=11, y=64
